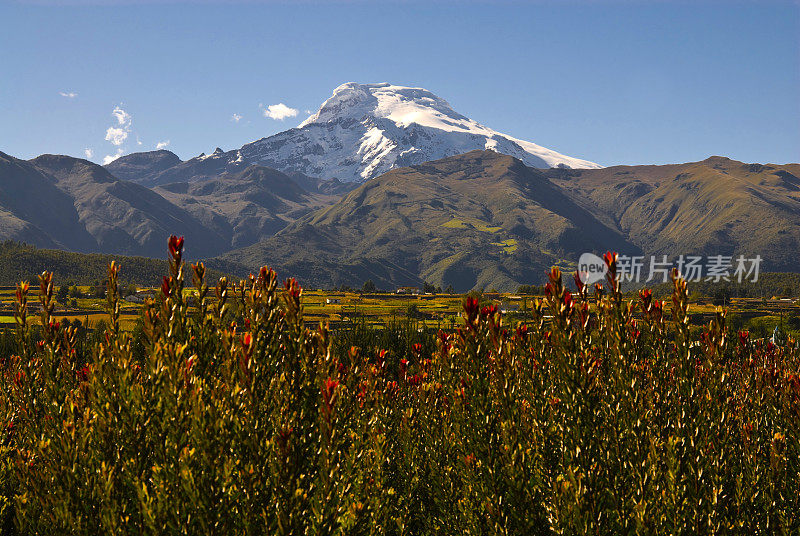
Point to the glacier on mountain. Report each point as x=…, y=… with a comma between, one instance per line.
x=364, y=130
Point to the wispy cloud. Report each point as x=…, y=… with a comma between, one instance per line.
x=279, y=111
x=68, y=94
x=107, y=159
x=123, y=117
x=162, y=145
x=88, y=152
x=236, y=118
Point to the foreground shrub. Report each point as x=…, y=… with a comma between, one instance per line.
x=599, y=416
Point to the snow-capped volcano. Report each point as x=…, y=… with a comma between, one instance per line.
x=364, y=130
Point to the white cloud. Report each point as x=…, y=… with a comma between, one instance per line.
x=107, y=159
x=236, y=118
x=116, y=136
x=119, y=133
x=162, y=144
x=68, y=94
x=123, y=117
x=279, y=111
x=88, y=152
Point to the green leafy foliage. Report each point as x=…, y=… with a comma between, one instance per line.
x=602, y=415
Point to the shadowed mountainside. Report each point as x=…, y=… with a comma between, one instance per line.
x=715, y=207
x=72, y=204
x=123, y=217
x=473, y=220
x=246, y=206
x=480, y=219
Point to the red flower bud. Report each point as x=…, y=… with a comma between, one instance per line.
x=578, y=282
x=175, y=246
x=329, y=392
x=744, y=337
x=471, y=308
x=293, y=288
x=83, y=373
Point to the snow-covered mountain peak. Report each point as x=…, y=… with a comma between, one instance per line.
x=364, y=130
x=402, y=105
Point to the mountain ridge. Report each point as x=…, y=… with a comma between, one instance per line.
x=362, y=131
x=477, y=219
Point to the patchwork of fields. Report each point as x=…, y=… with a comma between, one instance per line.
x=432, y=311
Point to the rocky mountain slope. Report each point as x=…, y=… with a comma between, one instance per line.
x=133, y=167
x=486, y=220
x=34, y=210
x=72, y=204
x=473, y=220
x=480, y=219
x=121, y=216
x=715, y=207
x=246, y=206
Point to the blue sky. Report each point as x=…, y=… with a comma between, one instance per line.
x=613, y=82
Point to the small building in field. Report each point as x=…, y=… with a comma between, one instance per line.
x=333, y=301
x=414, y=291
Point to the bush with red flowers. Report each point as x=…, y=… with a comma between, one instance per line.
x=599, y=416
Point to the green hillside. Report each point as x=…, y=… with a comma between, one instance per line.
x=23, y=262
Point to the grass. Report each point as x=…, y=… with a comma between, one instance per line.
x=455, y=224
x=509, y=246
x=476, y=224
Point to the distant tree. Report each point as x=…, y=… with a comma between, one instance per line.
x=450, y=290
x=73, y=303
x=722, y=296
x=62, y=294
x=431, y=288
x=412, y=311
x=98, y=290
x=369, y=286
x=529, y=289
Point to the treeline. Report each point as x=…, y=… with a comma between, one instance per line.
x=22, y=262
x=780, y=284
